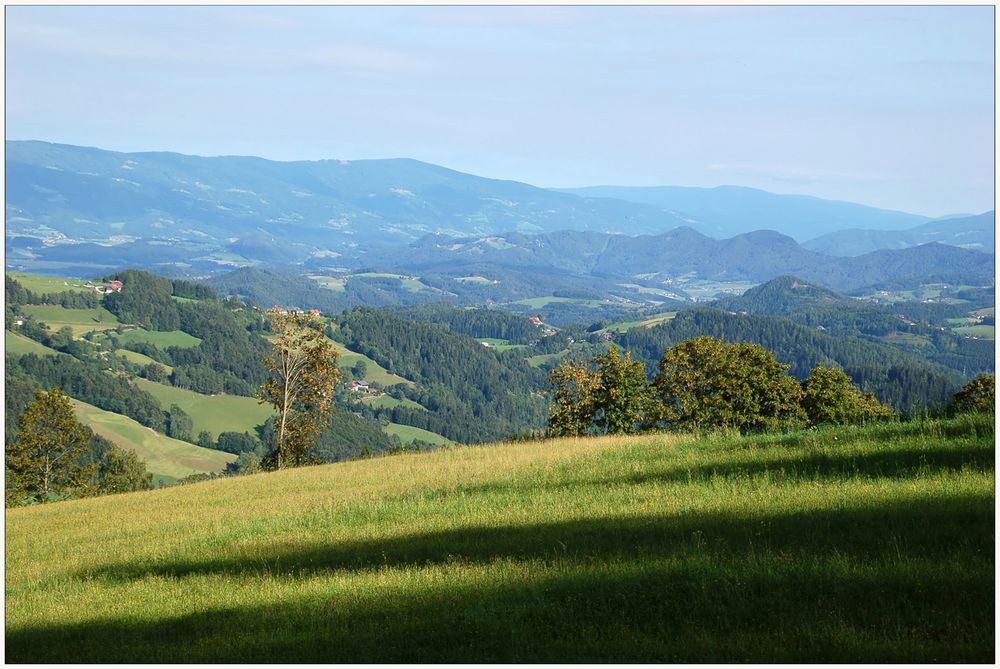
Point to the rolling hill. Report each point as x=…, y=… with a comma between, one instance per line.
x=970, y=232
x=834, y=545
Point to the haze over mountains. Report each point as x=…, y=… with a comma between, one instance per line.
x=86, y=207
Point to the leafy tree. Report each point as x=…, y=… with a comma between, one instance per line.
x=574, y=387
x=304, y=375
x=179, y=424
x=977, y=396
x=123, y=471
x=706, y=383
x=828, y=396
x=205, y=439
x=248, y=462
x=45, y=458
x=238, y=442
x=623, y=397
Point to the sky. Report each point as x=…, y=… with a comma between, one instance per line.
x=887, y=106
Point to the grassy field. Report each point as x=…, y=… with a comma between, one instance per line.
x=81, y=320
x=539, y=360
x=166, y=458
x=499, y=344
x=329, y=282
x=374, y=372
x=539, y=302
x=212, y=413
x=832, y=545
x=408, y=433
x=159, y=339
x=386, y=402
x=981, y=331
x=20, y=345
x=140, y=359
x=41, y=285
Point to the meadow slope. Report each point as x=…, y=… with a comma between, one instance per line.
x=851, y=545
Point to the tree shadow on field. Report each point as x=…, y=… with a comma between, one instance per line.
x=859, y=584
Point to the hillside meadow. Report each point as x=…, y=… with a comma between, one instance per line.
x=870, y=544
x=210, y=413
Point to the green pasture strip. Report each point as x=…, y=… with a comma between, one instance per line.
x=850, y=545
x=387, y=402
x=141, y=359
x=408, y=433
x=80, y=320
x=163, y=456
x=42, y=285
x=159, y=339
x=374, y=371
x=21, y=345
x=211, y=413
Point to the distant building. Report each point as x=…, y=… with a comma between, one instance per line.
x=359, y=387
x=314, y=312
x=535, y=320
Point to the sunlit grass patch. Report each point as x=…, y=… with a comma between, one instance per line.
x=863, y=544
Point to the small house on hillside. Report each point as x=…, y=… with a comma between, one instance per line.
x=359, y=387
x=535, y=320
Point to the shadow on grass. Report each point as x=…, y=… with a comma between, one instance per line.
x=904, y=582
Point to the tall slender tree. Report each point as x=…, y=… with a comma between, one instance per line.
x=303, y=375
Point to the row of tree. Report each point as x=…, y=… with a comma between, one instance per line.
x=701, y=383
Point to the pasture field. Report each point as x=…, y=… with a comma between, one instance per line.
x=159, y=339
x=329, y=282
x=499, y=344
x=408, y=433
x=539, y=302
x=387, y=402
x=868, y=544
x=981, y=331
x=164, y=457
x=41, y=285
x=140, y=359
x=539, y=360
x=374, y=372
x=21, y=345
x=212, y=413
x=81, y=321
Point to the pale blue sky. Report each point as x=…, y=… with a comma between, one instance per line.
x=888, y=106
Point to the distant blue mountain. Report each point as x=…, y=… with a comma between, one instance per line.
x=726, y=211
x=229, y=208
x=969, y=232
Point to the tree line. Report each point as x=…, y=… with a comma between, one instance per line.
x=706, y=383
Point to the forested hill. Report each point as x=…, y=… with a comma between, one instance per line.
x=473, y=394
x=915, y=326
x=899, y=379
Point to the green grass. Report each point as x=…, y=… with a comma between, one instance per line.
x=329, y=282
x=981, y=331
x=41, y=285
x=645, y=323
x=374, y=372
x=499, y=344
x=212, y=413
x=408, y=433
x=141, y=359
x=80, y=320
x=21, y=345
x=539, y=302
x=386, y=402
x=167, y=459
x=833, y=545
x=539, y=360
x=159, y=339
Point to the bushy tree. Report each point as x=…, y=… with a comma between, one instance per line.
x=303, y=376
x=828, y=396
x=977, y=396
x=622, y=399
x=46, y=458
x=179, y=424
x=573, y=387
x=706, y=383
x=123, y=471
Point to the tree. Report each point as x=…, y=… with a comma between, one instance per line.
x=179, y=424
x=123, y=471
x=706, y=383
x=573, y=386
x=828, y=396
x=623, y=397
x=248, y=462
x=45, y=459
x=977, y=396
x=303, y=375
